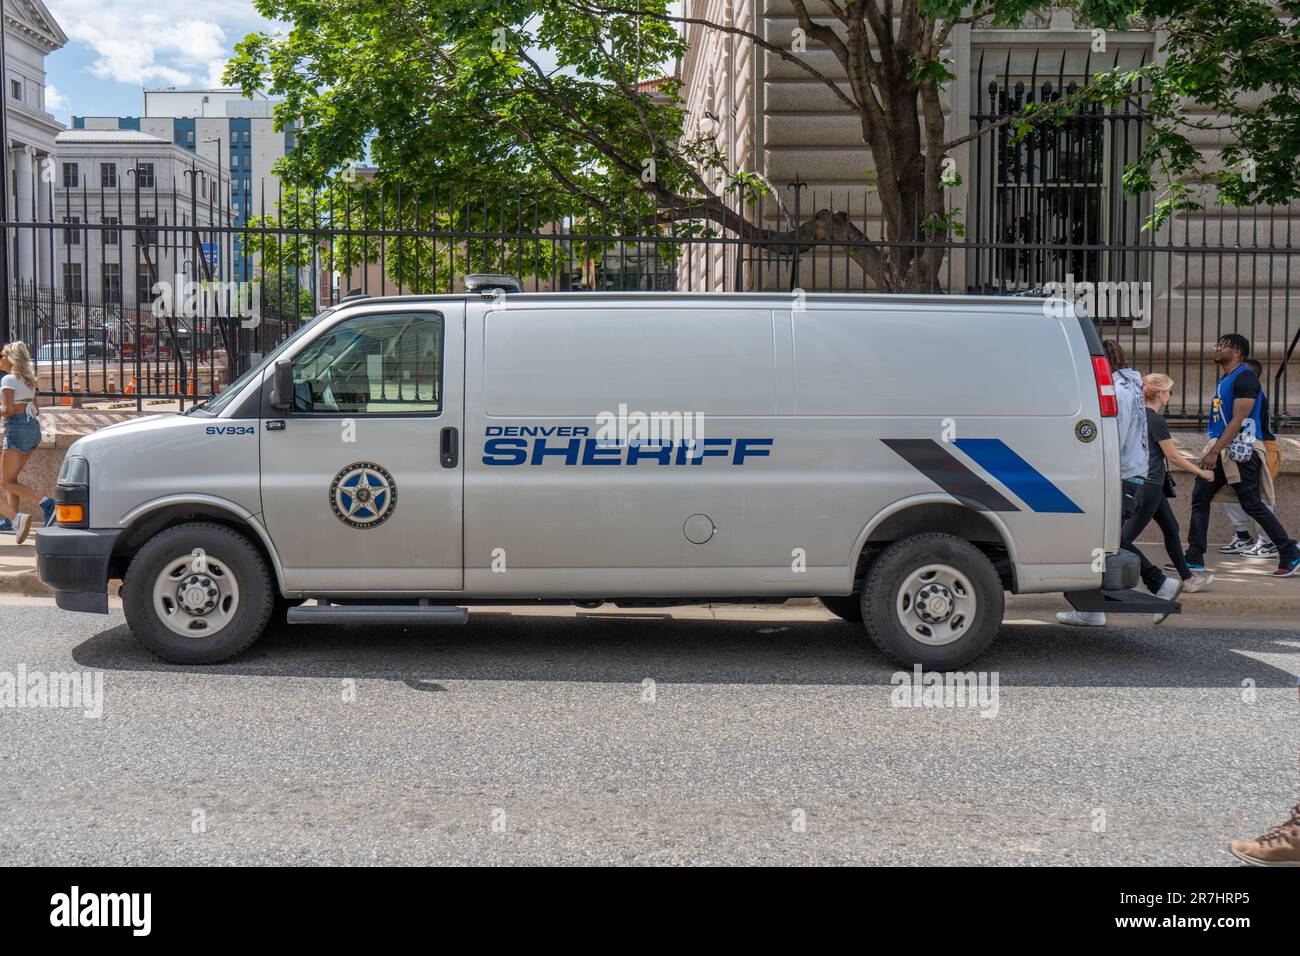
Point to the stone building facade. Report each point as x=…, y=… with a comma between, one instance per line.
x=1217, y=270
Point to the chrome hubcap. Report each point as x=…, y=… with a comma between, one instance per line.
x=936, y=604
x=195, y=603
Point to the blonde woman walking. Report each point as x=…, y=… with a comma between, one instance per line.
x=22, y=433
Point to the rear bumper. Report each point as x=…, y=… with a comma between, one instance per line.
x=73, y=562
x=1117, y=594
x=1128, y=601
x=1123, y=571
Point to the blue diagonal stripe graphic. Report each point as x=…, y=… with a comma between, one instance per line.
x=1028, y=484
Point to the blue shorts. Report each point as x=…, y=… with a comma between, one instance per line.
x=21, y=433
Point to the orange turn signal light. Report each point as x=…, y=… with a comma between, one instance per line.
x=70, y=514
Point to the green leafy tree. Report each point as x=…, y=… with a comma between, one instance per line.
x=1238, y=60
x=473, y=131
x=285, y=296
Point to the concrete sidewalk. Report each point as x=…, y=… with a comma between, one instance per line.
x=1241, y=585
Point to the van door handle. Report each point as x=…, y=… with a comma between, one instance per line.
x=275, y=425
x=450, y=447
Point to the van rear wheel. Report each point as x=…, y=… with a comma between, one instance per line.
x=197, y=593
x=932, y=599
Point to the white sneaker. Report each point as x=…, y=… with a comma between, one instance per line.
x=22, y=525
x=1082, y=618
x=1169, y=591
x=1239, y=543
x=1198, y=582
x=1261, y=549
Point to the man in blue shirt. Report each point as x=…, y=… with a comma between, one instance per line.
x=1235, y=423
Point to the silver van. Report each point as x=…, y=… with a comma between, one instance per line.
x=907, y=459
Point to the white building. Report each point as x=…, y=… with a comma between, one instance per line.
x=31, y=35
x=223, y=127
x=123, y=178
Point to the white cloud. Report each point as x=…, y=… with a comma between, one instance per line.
x=137, y=42
x=53, y=98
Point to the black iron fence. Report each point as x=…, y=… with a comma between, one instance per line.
x=168, y=293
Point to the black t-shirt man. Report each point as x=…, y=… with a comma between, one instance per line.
x=1246, y=385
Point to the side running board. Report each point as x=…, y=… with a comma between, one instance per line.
x=1130, y=601
x=377, y=614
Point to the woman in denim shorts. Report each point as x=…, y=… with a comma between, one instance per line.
x=22, y=433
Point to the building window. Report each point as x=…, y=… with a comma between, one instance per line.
x=143, y=286
x=110, y=235
x=148, y=237
x=112, y=284
x=1043, y=203
x=1050, y=191
x=16, y=89
x=72, y=291
x=189, y=137
x=72, y=237
x=144, y=175
x=71, y=175
x=108, y=174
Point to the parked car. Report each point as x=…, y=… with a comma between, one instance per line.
x=67, y=352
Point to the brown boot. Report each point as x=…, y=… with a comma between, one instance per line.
x=1280, y=846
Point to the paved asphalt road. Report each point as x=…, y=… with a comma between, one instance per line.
x=537, y=721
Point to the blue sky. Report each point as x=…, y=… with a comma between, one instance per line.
x=116, y=47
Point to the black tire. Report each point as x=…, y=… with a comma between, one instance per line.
x=891, y=571
x=847, y=608
x=228, y=551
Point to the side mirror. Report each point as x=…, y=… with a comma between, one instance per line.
x=282, y=385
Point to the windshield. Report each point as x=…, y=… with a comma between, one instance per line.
x=217, y=404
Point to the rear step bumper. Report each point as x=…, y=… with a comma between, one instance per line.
x=1129, y=601
x=377, y=614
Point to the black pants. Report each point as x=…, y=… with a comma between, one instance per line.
x=1247, y=490
x=1152, y=503
x=1131, y=491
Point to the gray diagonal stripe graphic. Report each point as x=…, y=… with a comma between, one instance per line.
x=932, y=460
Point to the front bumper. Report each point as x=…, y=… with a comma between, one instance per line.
x=74, y=563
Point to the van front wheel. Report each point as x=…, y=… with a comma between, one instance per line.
x=847, y=608
x=932, y=599
x=197, y=594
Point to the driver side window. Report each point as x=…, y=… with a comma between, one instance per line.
x=383, y=364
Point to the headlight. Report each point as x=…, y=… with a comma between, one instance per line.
x=75, y=472
x=72, y=493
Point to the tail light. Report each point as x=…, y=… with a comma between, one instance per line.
x=1105, y=386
